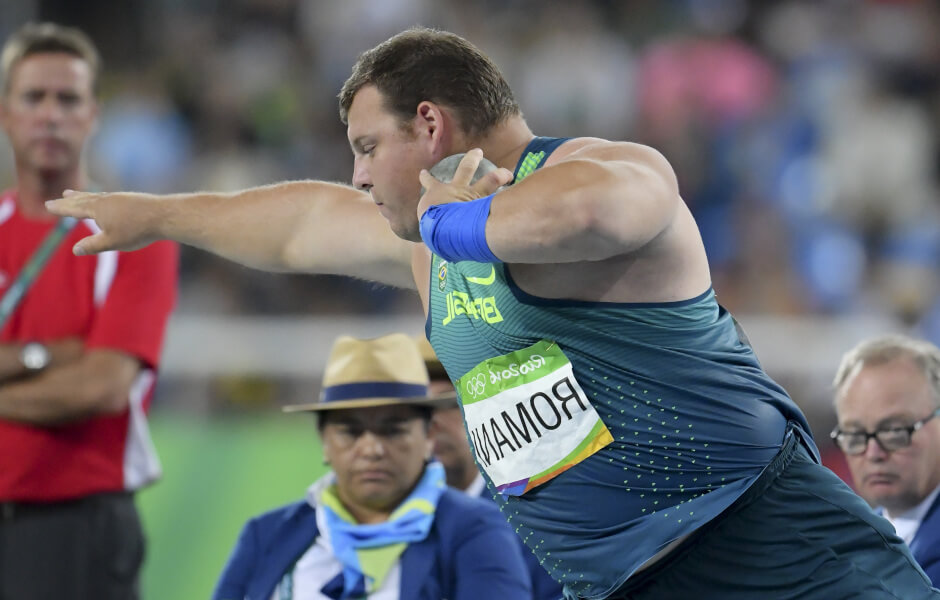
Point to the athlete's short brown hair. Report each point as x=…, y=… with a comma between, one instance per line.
x=426, y=64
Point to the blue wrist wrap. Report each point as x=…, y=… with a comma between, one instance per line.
x=457, y=231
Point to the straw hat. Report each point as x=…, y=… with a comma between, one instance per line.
x=377, y=372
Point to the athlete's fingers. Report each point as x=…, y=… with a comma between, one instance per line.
x=72, y=204
x=467, y=167
x=427, y=180
x=92, y=244
x=492, y=181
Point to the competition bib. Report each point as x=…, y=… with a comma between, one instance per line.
x=528, y=418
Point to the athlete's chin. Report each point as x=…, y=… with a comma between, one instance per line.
x=406, y=231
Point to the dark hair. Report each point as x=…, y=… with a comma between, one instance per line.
x=34, y=38
x=426, y=64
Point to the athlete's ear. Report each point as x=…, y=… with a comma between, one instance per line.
x=430, y=123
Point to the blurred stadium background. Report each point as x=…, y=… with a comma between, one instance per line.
x=804, y=134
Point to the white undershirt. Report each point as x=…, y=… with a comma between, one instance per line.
x=476, y=487
x=908, y=522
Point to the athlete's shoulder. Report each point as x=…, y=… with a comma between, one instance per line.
x=598, y=149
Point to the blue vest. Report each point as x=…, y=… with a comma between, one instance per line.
x=694, y=417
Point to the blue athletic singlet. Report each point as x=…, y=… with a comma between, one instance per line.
x=692, y=416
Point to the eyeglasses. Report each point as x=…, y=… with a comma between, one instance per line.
x=889, y=438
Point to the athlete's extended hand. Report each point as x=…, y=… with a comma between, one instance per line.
x=470, y=180
x=127, y=221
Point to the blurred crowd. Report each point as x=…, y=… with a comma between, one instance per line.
x=804, y=133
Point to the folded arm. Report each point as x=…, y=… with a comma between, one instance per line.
x=306, y=226
x=60, y=352
x=604, y=199
x=99, y=382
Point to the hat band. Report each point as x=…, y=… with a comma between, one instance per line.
x=373, y=389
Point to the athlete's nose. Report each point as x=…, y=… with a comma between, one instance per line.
x=361, y=179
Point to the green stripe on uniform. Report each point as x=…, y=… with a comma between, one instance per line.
x=529, y=165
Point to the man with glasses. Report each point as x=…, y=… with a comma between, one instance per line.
x=887, y=397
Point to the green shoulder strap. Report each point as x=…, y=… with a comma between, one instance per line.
x=34, y=266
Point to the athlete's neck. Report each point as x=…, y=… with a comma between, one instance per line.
x=504, y=144
x=35, y=187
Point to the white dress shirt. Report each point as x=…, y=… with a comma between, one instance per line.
x=908, y=522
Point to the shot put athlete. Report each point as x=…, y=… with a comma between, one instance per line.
x=629, y=432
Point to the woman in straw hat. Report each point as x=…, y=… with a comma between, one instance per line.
x=381, y=524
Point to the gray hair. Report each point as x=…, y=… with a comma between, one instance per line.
x=884, y=349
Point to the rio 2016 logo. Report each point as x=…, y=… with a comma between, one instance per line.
x=476, y=385
x=534, y=362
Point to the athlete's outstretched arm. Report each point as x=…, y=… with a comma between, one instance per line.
x=307, y=226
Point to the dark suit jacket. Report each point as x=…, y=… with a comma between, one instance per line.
x=926, y=543
x=469, y=554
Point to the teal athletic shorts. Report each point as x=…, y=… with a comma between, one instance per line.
x=797, y=533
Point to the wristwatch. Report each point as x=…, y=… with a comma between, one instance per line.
x=34, y=356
